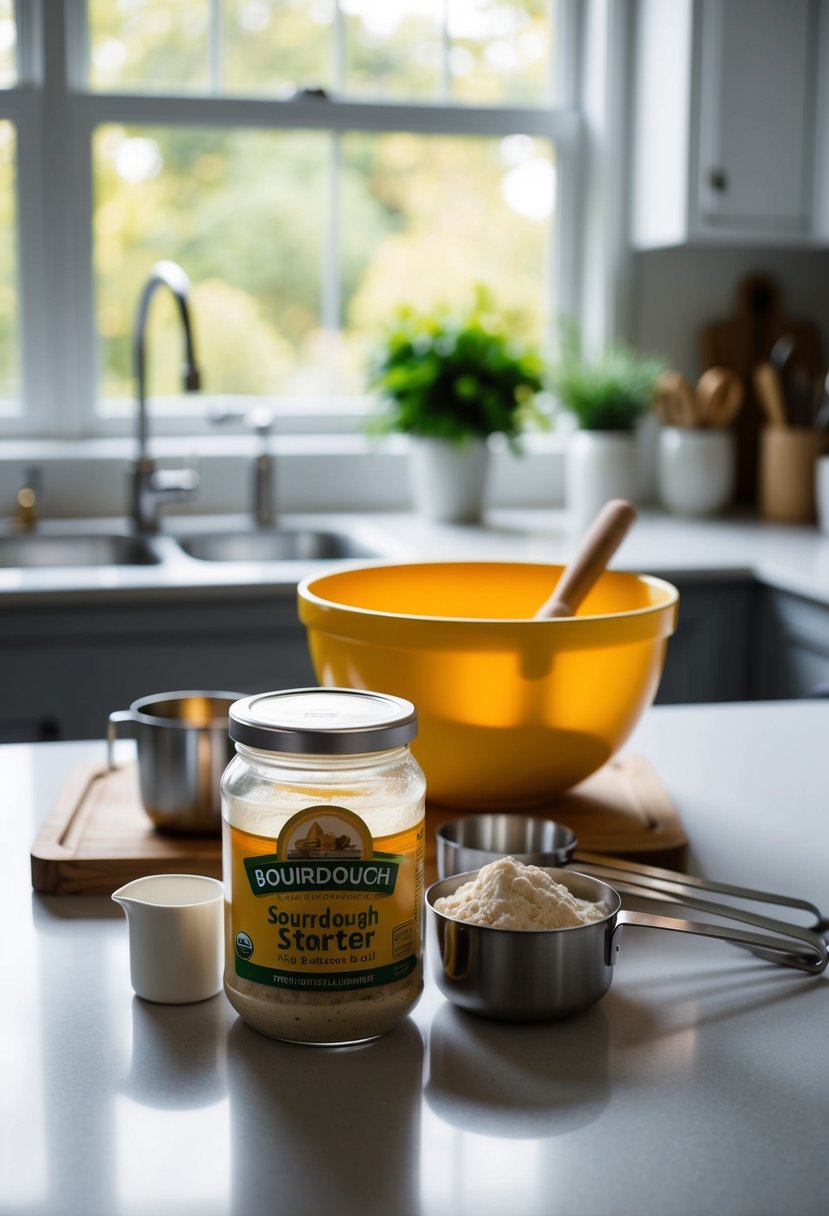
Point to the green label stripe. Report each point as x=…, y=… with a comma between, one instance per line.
x=315, y=981
x=271, y=876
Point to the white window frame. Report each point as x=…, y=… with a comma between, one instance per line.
x=56, y=117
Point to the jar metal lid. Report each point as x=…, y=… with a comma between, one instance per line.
x=323, y=721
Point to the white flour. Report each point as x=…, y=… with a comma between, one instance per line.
x=509, y=895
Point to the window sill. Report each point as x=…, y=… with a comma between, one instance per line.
x=335, y=472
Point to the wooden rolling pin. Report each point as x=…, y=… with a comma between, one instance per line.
x=600, y=542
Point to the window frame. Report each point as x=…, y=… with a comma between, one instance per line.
x=56, y=115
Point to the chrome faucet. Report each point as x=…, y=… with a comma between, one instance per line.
x=260, y=421
x=152, y=488
x=263, y=507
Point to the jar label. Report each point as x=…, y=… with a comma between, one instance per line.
x=326, y=906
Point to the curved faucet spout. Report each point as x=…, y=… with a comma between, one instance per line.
x=151, y=488
x=170, y=275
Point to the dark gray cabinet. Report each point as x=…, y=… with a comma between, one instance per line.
x=792, y=646
x=710, y=655
x=64, y=668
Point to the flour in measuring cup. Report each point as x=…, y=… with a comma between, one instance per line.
x=506, y=894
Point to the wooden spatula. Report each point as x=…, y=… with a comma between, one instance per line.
x=600, y=542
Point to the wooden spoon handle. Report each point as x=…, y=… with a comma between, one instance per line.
x=675, y=402
x=720, y=395
x=769, y=391
x=602, y=539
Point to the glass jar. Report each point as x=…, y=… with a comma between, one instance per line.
x=323, y=857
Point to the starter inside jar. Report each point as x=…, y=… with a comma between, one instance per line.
x=324, y=1018
x=329, y=1016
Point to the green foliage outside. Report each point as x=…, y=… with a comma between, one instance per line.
x=456, y=377
x=247, y=213
x=606, y=393
x=280, y=308
x=421, y=219
x=392, y=49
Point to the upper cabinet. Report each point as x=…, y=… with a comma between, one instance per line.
x=726, y=112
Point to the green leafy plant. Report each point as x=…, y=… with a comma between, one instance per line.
x=609, y=392
x=454, y=377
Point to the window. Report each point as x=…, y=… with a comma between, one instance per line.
x=9, y=317
x=312, y=164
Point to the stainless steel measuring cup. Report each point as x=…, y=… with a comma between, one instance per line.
x=183, y=749
x=470, y=843
x=541, y=975
x=534, y=975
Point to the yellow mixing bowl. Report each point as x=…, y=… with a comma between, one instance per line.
x=511, y=711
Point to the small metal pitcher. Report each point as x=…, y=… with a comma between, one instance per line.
x=183, y=749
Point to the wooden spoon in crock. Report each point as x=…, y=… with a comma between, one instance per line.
x=600, y=542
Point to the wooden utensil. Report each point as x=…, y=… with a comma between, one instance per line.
x=719, y=396
x=740, y=344
x=600, y=542
x=769, y=392
x=674, y=402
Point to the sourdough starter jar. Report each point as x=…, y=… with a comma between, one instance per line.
x=323, y=853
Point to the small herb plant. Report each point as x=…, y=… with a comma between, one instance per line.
x=608, y=393
x=444, y=376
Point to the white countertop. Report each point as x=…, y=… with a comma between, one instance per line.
x=698, y=1084
x=789, y=557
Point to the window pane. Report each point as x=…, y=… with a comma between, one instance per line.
x=277, y=46
x=8, y=45
x=500, y=50
x=486, y=52
x=425, y=219
x=244, y=213
x=9, y=332
x=149, y=45
x=393, y=50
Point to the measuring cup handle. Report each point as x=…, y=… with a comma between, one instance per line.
x=115, y=719
x=801, y=948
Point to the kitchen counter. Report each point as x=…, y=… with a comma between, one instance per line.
x=697, y=1085
x=786, y=557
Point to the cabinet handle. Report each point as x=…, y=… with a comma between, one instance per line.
x=718, y=180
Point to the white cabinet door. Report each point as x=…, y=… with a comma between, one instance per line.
x=725, y=122
x=755, y=113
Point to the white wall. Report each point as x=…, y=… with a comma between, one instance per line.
x=678, y=292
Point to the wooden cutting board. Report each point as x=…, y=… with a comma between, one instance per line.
x=97, y=836
x=742, y=342
x=623, y=810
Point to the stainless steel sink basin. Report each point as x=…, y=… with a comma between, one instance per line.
x=277, y=546
x=51, y=550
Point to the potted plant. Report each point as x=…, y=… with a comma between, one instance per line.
x=449, y=381
x=606, y=395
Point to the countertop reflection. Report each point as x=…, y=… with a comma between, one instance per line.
x=697, y=1084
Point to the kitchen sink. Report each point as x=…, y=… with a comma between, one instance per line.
x=51, y=550
x=276, y=546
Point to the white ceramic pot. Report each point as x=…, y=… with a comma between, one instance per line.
x=695, y=469
x=600, y=465
x=448, y=480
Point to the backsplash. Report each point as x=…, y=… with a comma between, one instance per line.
x=313, y=473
